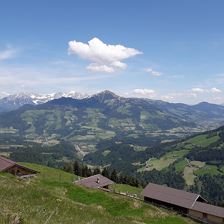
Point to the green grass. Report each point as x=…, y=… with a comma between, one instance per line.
x=208, y=169
x=164, y=161
x=51, y=174
x=180, y=165
x=139, y=148
x=124, y=109
x=203, y=140
x=51, y=198
x=112, y=205
x=222, y=169
x=106, y=152
x=127, y=189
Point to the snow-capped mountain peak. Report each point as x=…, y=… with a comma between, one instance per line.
x=3, y=94
x=14, y=101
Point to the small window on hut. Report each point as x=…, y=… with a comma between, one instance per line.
x=205, y=215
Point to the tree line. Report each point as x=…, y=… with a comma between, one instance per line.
x=83, y=170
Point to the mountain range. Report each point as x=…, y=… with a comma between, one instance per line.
x=10, y=102
x=87, y=121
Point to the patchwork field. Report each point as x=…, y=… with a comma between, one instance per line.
x=208, y=169
x=190, y=171
x=164, y=161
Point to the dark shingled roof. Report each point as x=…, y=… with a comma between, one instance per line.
x=96, y=181
x=208, y=209
x=5, y=163
x=170, y=195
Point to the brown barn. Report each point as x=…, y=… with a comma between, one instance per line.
x=7, y=165
x=185, y=202
x=96, y=181
x=208, y=213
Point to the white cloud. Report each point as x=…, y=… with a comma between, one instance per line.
x=153, y=72
x=94, y=67
x=197, y=90
x=215, y=90
x=103, y=57
x=3, y=94
x=145, y=92
x=167, y=98
x=212, y=95
x=8, y=53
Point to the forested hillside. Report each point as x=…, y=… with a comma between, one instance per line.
x=193, y=163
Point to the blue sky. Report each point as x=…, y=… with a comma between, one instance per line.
x=170, y=50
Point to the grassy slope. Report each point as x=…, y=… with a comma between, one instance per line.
x=203, y=140
x=52, y=198
x=123, y=188
x=164, y=161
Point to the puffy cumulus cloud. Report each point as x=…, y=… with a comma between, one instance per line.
x=153, y=72
x=103, y=57
x=8, y=53
x=215, y=90
x=145, y=92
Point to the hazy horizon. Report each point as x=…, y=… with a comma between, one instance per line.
x=171, y=51
x=90, y=94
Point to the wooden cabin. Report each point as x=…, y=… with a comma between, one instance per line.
x=95, y=181
x=208, y=213
x=7, y=165
x=184, y=202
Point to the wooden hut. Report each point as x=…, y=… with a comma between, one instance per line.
x=7, y=165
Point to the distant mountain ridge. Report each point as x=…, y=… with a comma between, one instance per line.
x=15, y=101
x=86, y=121
x=9, y=102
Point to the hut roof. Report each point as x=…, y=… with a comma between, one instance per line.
x=170, y=195
x=208, y=209
x=5, y=163
x=96, y=181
